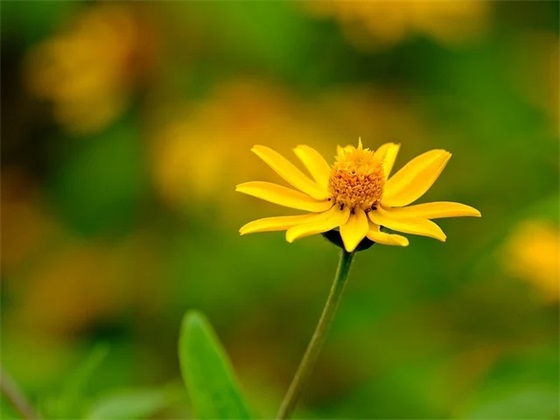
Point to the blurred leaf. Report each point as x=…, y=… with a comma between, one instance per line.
x=523, y=385
x=528, y=401
x=68, y=403
x=132, y=404
x=211, y=383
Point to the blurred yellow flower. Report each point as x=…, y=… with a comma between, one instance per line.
x=355, y=195
x=25, y=223
x=385, y=23
x=235, y=116
x=532, y=253
x=90, y=282
x=88, y=71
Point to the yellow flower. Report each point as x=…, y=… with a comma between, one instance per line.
x=531, y=253
x=382, y=23
x=355, y=195
x=88, y=72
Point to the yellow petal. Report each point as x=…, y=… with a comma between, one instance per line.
x=290, y=173
x=435, y=210
x=339, y=150
x=315, y=164
x=387, y=154
x=328, y=220
x=270, y=224
x=283, y=196
x=385, y=238
x=413, y=225
x=354, y=230
x=414, y=178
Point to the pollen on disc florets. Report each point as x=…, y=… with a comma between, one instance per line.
x=356, y=179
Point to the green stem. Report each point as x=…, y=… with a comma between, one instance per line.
x=314, y=348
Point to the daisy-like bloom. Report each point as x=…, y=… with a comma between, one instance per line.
x=355, y=195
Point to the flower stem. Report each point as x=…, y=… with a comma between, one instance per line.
x=314, y=348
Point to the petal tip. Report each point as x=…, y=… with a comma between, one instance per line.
x=241, y=187
x=471, y=212
x=257, y=148
x=350, y=248
x=442, y=153
x=299, y=149
x=289, y=236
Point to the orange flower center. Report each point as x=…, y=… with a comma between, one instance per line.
x=356, y=179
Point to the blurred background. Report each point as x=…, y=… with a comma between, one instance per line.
x=126, y=126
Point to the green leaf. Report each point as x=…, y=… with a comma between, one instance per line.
x=211, y=383
x=68, y=403
x=520, y=402
x=131, y=404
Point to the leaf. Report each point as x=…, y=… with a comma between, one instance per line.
x=213, y=389
x=68, y=403
x=521, y=402
x=131, y=404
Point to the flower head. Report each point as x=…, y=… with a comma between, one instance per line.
x=355, y=195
